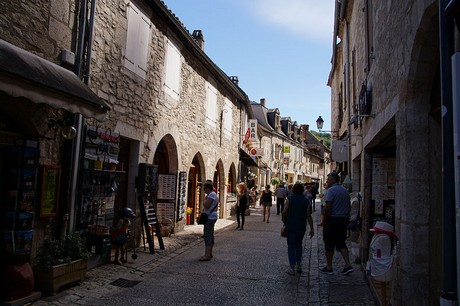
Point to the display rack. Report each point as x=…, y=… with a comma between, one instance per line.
x=146, y=185
x=19, y=211
x=99, y=185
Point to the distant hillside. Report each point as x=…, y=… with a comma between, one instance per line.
x=325, y=137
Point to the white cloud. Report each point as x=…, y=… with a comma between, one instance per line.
x=311, y=19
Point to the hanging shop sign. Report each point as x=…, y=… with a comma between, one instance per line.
x=246, y=136
x=286, y=150
x=253, y=130
x=257, y=151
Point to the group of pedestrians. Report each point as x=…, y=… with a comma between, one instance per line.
x=295, y=204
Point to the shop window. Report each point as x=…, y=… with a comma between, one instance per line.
x=137, y=41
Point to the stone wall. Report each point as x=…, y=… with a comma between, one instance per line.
x=401, y=75
x=141, y=108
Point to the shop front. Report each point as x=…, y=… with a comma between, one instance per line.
x=40, y=103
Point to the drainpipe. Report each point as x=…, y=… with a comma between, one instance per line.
x=240, y=141
x=449, y=275
x=73, y=150
x=347, y=78
x=76, y=147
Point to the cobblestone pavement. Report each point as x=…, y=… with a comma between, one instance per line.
x=313, y=287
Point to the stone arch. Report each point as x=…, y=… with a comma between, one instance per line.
x=196, y=177
x=166, y=156
x=219, y=183
x=169, y=133
x=418, y=171
x=231, y=179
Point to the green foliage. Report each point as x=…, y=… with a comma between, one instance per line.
x=325, y=137
x=275, y=181
x=54, y=252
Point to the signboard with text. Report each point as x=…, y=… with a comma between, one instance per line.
x=253, y=130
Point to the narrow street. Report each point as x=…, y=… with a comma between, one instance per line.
x=248, y=268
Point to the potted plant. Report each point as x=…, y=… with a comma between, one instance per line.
x=60, y=262
x=275, y=181
x=188, y=212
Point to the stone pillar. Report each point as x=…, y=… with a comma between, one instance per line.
x=412, y=196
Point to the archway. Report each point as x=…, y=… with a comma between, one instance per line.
x=231, y=179
x=167, y=161
x=219, y=184
x=194, y=190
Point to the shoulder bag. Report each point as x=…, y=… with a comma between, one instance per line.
x=204, y=216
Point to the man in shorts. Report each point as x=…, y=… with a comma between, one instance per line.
x=336, y=218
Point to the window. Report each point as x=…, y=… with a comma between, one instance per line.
x=137, y=41
x=172, y=71
x=227, y=117
x=211, y=105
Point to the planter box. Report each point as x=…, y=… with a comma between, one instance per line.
x=60, y=275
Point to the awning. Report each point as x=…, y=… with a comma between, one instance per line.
x=23, y=74
x=245, y=158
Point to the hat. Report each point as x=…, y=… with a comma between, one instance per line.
x=383, y=228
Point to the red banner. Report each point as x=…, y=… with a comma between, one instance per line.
x=246, y=136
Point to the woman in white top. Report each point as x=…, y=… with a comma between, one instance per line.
x=210, y=207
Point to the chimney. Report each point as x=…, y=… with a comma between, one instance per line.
x=262, y=101
x=234, y=79
x=198, y=37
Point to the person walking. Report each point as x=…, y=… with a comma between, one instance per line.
x=241, y=205
x=307, y=193
x=266, y=200
x=336, y=218
x=289, y=189
x=296, y=213
x=314, y=193
x=280, y=193
x=322, y=197
x=209, y=207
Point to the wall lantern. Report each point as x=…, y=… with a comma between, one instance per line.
x=319, y=125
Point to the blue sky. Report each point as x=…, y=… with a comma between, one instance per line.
x=280, y=49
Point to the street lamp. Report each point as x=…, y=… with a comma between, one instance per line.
x=319, y=123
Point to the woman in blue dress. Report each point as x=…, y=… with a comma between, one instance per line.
x=296, y=213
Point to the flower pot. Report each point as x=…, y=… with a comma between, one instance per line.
x=60, y=275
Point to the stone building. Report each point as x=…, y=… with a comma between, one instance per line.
x=290, y=152
x=386, y=110
x=141, y=106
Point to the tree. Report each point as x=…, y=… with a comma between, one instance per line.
x=325, y=137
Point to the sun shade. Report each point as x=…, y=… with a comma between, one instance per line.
x=23, y=74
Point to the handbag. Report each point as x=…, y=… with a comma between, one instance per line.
x=284, y=231
x=204, y=216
